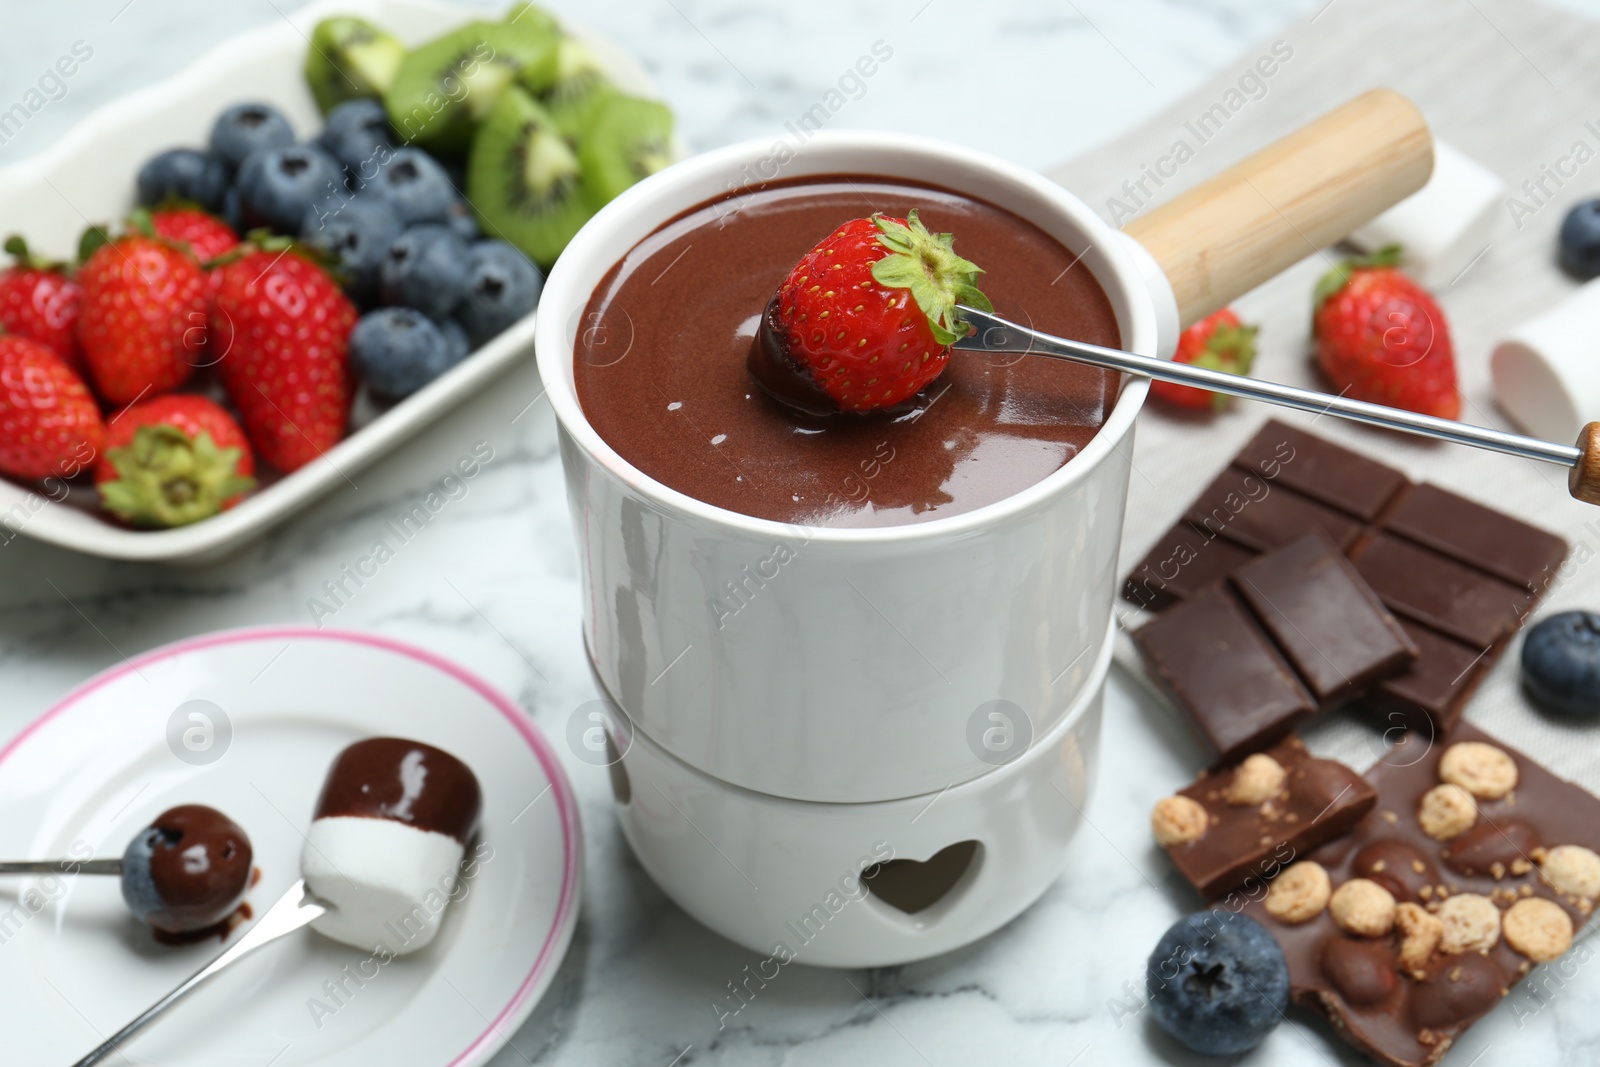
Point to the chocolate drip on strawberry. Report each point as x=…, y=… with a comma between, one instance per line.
x=778, y=372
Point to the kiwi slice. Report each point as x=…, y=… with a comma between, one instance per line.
x=572, y=87
x=447, y=86
x=534, y=17
x=350, y=58
x=524, y=181
x=627, y=140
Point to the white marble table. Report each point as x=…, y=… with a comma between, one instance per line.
x=492, y=580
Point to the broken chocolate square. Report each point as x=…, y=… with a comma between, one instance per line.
x=1312, y=635
x=1432, y=920
x=1336, y=633
x=1262, y=814
x=1211, y=656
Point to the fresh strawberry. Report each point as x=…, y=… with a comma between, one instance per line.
x=1218, y=342
x=173, y=460
x=206, y=235
x=144, y=315
x=281, y=329
x=38, y=300
x=1380, y=337
x=870, y=313
x=49, y=422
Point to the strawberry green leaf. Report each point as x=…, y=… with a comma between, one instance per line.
x=1339, y=275
x=141, y=221
x=26, y=257
x=90, y=242
x=166, y=478
x=972, y=296
x=927, y=265
x=1229, y=349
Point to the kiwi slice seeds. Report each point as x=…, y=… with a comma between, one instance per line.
x=525, y=181
x=350, y=58
x=446, y=87
x=627, y=140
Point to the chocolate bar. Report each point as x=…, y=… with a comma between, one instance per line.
x=1242, y=505
x=1462, y=577
x=1335, y=631
x=1477, y=536
x=1181, y=564
x=1440, y=593
x=1321, y=470
x=1240, y=824
x=1212, y=658
x=1293, y=631
x=1475, y=865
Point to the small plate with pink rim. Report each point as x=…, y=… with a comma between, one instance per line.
x=248, y=721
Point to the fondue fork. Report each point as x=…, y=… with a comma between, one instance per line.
x=61, y=866
x=994, y=334
x=293, y=910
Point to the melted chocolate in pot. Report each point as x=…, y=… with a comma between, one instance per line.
x=662, y=349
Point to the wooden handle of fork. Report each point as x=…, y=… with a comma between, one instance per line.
x=1584, y=479
x=1298, y=195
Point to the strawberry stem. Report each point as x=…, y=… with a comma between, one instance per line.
x=1339, y=275
x=25, y=257
x=927, y=264
x=166, y=478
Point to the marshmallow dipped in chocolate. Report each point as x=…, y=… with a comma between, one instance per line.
x=385, y=845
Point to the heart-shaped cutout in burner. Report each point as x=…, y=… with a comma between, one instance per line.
x=916, y=885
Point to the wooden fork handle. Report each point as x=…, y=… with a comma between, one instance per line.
x=1584, y=478
x=1227, y=235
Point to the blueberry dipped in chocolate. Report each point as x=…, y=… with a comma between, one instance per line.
x=865, y=320
x=1218, y=983
x=186, y=874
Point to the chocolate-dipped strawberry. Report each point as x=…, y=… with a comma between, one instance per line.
x=386, y=842
x=866, y=319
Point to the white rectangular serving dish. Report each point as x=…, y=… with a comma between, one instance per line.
x=88, y=176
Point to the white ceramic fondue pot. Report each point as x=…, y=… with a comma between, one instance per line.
x=862, y=885
x=893, y=662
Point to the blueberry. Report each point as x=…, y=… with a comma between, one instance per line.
x=502, y=286
x=138, y=883
x=461, y=219
x=233, y=210
x=357, y=234
x=1561, y=663
x=455, y=339
x=358, y=135
x=1580, y=239
x=277, y=186
x=397, y=351
x=1218, y=982
x=415, y=184
x=425, y=268
x=244, y=128
x=184, y=174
